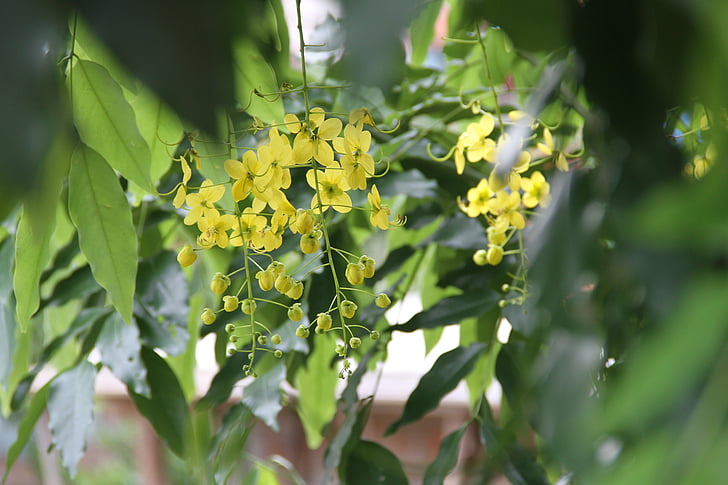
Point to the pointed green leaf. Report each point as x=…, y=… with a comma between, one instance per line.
x=120, y=346
x=450, y=311
x=27, y=425
x=447, y=458
x=223, y=382
x=253, y=72
x=106, y=234
x=229, y=442
x=263, y=395
x=442, y=378
x=370, y=462
x=166, y=410
x=106, y=122
x=422, y=29
x=32, y=254
x=70, y=410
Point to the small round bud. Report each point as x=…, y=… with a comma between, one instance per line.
x=480, y=257
x=374, y=335
x=248, y=306
x=284, y=283
x=278, y=354
x=309, y=244
x=275, y=339
x=295, y=313
x=266, y=279
x=219, y=283
x=231, y=352
x=277, y=268
x=233, y=339
x=208, y=317
x=324, y=321
x=302, y=332
x=382, y=300
x=354, y=342
x=262, y=340
x=229, y=328
x=186, y=256
x=296, y=290
x=355, y=273
x=319, y=331
x=369, y=265
x=494, y=255
x=348, y=308
x=505, y=288
x=230, y=303
x=502, y=303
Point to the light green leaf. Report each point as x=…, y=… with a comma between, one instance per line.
x=263, y=396
x=106, y=122
x=106, y=234
x=120, y=346
x=422, y=29
x=442, y=378
x=316, y=383
x=253, y=72
x=32, y=254
x=447, y=458
x=70, y=410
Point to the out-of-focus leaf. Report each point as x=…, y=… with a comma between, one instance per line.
x=223, y=382
x=101, y=214
x=166, y=410
x=229, y=442
x=450, y=311
x=447, y=458
x=442, y=378
x=80, y=283
x=254, y=75
x=411, y=182
x=106, y=122
x=370, y=462
x=422, y=30
x=120, y=346
x=263, y=395
x=459, y=232
x=27, y=425
x=162, y=306
x=533, y=25
x=70, y=410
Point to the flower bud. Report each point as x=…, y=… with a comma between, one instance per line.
x=295, y=313
x=186, y=256
x=494, y=255
x=309, y=244
x=266, y=279
x=369, y=264
x=348, y=308
x=230, y=303
x=324, y=321
x=480, y=257
x=284, y=283
x=302, y=332
x=275, y=339
x=278, y=354
x=219, y=283
x=248, y=306
x=355, y=273
x=354, y=342
x=229, y=328
x=374, y=335
x=208, y=317
x=296, y=291
x=262, y=340
x=382, y=300
x=277, y=268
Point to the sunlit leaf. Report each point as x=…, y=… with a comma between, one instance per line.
x=255, y=77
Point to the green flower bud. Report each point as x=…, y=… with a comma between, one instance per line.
x=248, y=306
x=277, y=268
x=266, y=279
x=284, y=283
x=480, y=257
x=302, y=332
x=494, y=255
x=355, y=273
x=186, y=256
x=382, y=300
x=278, y=354
x=295, y=313
x=208, y=317
x=309, y=244
x=348, y=308
x=262, y=340
x=275, y=339
x=354, y=342
x=374, y=335
x=229, y=328
x=369, y=264
x=219, y=283
x=230, y=303
x=324, y=321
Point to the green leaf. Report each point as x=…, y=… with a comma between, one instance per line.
x=447, y=458
x=80, y=283
x=70, y=410
x=27, y=425
x=536, y=25
x=253, y=72
x=106, y=122
x=32, y=254
x=106, y=234
x=411, y=182
x=450, y=311
x=316, y=383
x=422, y=30
x=263, y=395
x=229, y=442
x=223, y=382
x=459, y=232
x=370, y=463
x=166, y=410
x=119, y=345
x=442, y=378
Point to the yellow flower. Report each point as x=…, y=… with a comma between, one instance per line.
x=249, y=174
x=311, y=142
x=505, y=205
x=361, y=117
x=548, y=149
x=213, y=229
x=478, y=198
x=202, y=203
x=331, y=188
x=277, y=156
x=356, y=162
x=536, y=190
x=380, y=212
x=475, y=139
x=303, y=222
x=250, y=225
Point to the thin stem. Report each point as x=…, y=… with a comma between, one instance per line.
x=490, y=76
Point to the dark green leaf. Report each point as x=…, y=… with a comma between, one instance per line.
x=166, y=410
x=263, y=395
x=447, y=458
x=27, y=425
x=459, y=232
x=229, y=442
x=442, y=378
x=80, y=283
x=535, y=25
x=450, y=311
x=119, y=346
x=411, y=182
x=371, y=463
x=70, y=410
x=106, y=122
x=223, y=382
x=101, y=214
